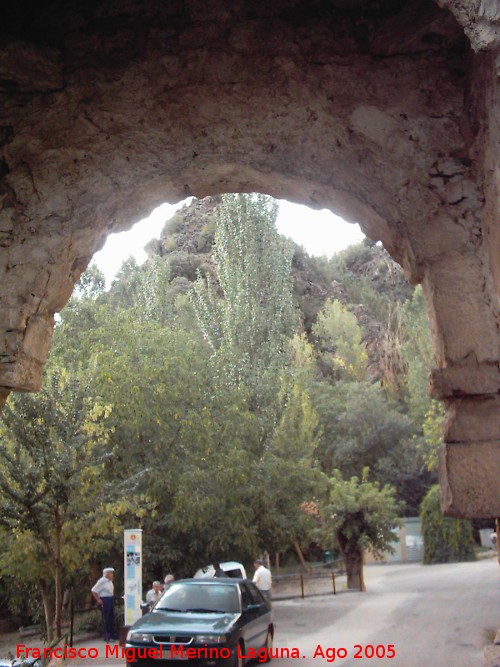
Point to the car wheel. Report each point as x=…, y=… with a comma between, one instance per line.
x=268, y=645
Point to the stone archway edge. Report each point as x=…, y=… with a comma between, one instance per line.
x=388, y=115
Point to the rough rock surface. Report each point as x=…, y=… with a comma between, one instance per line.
x=386, y=111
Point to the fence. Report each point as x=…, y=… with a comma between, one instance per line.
x=92, y=610
x=319, y=582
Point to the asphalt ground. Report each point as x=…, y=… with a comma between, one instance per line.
x=434, y=616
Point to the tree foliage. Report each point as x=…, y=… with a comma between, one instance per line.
x=446, y=540
x=193, y=409
x=360, y=515
x=249, y=325
x=51, y=481
x=340, y=341
x=417, y=353
x=360, y=426
x=250, y=329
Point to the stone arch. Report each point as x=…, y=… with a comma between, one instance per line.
x=381, y=111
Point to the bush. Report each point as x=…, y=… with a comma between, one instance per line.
x=183, y=264
x=169, y=245
x=172, y=226
x=446, y=540
x=91, y=621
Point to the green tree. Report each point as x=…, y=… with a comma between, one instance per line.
x=360, y=426
x=83, y=314
x=361, y=515
x=47, y=461
x=340, y=341
x=432, y=438
x=216, y=424
x=446, y=540
x=249, y=320
x=287, y=471
x=250, y=329
x=418, y=355
x=427, y=414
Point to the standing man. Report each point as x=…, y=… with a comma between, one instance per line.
x=262, y=579
x=169, y=579
x=103, y=592
x=154, y=594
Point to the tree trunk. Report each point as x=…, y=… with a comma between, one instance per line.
x=301, y=556
x=58, y=578
x=47, y=609
x=354, y=569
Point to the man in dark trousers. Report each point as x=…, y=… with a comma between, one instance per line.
x=103, y=592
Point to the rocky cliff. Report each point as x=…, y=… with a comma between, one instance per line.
x=363, y=277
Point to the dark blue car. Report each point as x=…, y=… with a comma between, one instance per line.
x=208, y=622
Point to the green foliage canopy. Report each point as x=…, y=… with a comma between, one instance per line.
x=360, y=515
x=340, y=341
x=446, y=540
x=250, y=329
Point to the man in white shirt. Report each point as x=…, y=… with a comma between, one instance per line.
x=103, y=592
x=169, y=579
x=153, y=595
x=262, y=578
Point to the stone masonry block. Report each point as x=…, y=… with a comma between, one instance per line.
x=37, y=337
x=469, y=476
x=492, y=656
x=461, y=311
x=23, y=374
x=472, y=420
x=465, y=380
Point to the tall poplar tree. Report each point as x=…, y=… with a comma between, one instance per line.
x=249, y=320
x=250, y=329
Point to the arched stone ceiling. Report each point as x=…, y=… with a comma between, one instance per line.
x=386, y=111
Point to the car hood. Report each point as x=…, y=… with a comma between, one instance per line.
x=164, y=622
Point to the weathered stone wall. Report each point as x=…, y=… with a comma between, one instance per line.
x=379, y=111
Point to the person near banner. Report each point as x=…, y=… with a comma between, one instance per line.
x=153, y=595
x=262, y=578
x=103, y=591
x=168, y=580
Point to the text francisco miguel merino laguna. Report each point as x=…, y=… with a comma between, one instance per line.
x=131, y=654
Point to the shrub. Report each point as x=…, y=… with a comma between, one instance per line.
x=174, y=225
x=170, y=244
x=446, y=540
x=183, y=264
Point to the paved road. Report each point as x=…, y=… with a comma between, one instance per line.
x=432, y=616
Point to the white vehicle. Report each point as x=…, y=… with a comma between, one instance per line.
x=231, y=568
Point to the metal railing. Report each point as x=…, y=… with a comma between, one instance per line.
x=316, y=582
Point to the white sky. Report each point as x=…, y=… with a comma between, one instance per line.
x=319, y=232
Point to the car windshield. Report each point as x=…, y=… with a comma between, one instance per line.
x=199, y=597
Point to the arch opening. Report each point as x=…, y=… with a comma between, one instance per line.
x=385, y=115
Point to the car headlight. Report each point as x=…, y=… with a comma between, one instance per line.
x=138, y=636
x=211, y=639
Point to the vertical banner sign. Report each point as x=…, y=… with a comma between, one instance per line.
x=132, y=568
